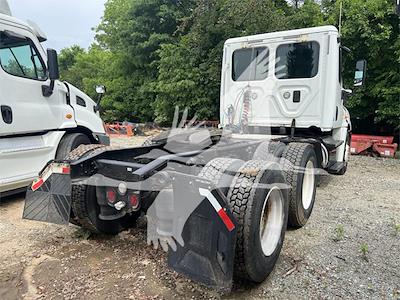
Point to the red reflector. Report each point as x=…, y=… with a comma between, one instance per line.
x=66, y=170
x=37, y=184
x=225, y=218
x=133, y=199
x=111, y=196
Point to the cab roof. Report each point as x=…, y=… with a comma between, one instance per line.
x=30, y=26
x=282, y=34
x=14, y=21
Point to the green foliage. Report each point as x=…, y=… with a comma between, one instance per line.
x=339, y=233
x=67, y=57
x=371, y=30
x=396, y=228
x=133, y=32
x=190, y=71
x=155, y=54
x=364, y=249
x=308, y=15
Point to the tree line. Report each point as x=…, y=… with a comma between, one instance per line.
x=155, y=54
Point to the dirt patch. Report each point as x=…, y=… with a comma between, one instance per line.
x=133, y=142
x=348, y=249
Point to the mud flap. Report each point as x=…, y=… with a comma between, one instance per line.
x=209, y=235
x=49, y=197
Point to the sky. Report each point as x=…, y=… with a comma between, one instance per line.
x=65, y=22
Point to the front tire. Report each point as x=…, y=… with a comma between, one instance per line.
x=70, y=142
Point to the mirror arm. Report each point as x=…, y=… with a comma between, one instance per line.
x=99, y=97
x=345, y=49
x=47, y=90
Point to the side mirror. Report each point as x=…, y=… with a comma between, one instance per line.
x=52, y=64
x=361, y=72
x=100, y=89
x=54, y=72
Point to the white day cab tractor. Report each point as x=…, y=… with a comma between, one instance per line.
x=41, y=118
x=219, y=201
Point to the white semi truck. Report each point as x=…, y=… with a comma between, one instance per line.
x=41, y=118
x=220, y=200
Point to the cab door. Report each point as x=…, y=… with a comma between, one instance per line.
x=24, y=109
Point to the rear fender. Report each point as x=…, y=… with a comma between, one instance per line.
x=209, y=234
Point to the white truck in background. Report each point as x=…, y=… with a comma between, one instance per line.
x=41, y=117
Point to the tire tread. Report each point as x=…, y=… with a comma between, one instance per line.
x=291, y=162
x=240, y=198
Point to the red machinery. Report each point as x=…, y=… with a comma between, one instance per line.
x=373, y=145
x=120, y=129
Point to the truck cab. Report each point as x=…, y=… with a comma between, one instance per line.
x=41, y=118
x=289, y=82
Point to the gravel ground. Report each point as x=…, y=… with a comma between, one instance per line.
x=349, y=249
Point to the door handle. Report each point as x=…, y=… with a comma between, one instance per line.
x=296, y=96
x=6, y=113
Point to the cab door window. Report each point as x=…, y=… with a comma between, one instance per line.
x=19, y=57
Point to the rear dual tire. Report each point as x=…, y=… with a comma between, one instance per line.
x=259, y=203
x=269, y=151
x=85, y=210
x=299, y=163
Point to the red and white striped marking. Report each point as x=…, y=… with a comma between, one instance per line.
x=218, y=208
x=53, y=168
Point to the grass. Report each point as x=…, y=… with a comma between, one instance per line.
x=397, y=155
x=370, y=287
x=82, y=234
x=339, y=233
x=396, y=227
x=364, y=249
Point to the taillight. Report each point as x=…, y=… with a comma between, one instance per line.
x=111, y=196
x=134, y=201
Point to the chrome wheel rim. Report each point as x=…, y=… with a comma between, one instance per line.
x=308, y=185
x=271, y=222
